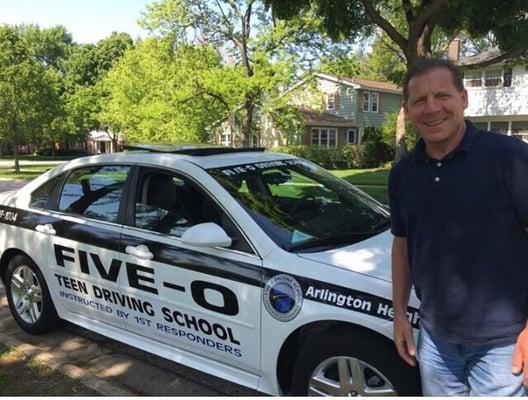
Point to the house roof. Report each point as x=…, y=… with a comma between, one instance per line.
x=358, y=83
x=315, y=117
x=479, y=58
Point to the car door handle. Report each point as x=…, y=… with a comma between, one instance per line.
x=46, y=229
x=140, y=251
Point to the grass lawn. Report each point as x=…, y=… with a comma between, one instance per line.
x=27, y=172
x=365, y=177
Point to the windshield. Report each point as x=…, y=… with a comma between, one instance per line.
x=301, y=206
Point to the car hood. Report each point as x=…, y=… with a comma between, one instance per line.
x=370, y=257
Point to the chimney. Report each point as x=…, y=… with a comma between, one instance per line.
x=453, y=51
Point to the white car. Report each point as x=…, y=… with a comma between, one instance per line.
x=257, y=267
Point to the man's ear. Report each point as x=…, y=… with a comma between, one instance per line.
x=405, y=108
x=464, y=95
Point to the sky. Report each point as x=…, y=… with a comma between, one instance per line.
x=86, y=20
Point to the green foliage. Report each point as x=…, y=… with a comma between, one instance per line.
x=377, y=148
x=349, y=156
x=388, y=132
x=28, y=99
x=157, y=94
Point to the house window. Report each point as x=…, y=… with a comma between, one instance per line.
x=349, y=91
x=225, y=139
x=366, y=101
x=370, y=102
x=490, y=78
x=473, y=78
x=493, y=78
x=324, y=137
x=374, y=102
x=353, y=136
x=330, y=102
x=499, y=126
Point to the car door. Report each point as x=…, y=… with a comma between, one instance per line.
x=203, y=301
x=85, y=272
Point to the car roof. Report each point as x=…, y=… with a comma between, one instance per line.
x=205, y=158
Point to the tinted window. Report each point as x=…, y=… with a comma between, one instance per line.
x=169, y=204
x=40, y=197
x=94, y=192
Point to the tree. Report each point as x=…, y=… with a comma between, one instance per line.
x=161, y=95
x=28, y=101
x=84, y=71
x=505, y=20
x=264, y=54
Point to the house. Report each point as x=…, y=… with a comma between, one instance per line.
x=498, y=95
x=336, y=110
x=101, y=141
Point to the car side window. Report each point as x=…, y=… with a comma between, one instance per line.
x=41, y=196
x=170, y=204
x=94, y=192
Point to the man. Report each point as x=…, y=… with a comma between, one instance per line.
x=459, y=215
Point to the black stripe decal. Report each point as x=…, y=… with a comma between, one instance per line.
x=314, y=290
x=173, y=286
x=163, y=253
x=349, y=299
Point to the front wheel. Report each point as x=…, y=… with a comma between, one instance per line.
x=28, y=297
x=352, y=362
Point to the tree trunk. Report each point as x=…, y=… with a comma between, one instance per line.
x=401, y=148
x=249, y=106
x=53, y=152
x=15, y=155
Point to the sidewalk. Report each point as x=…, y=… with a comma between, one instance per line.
x=108, y=367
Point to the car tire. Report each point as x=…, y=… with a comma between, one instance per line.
x=347, y=362
x=28, y=297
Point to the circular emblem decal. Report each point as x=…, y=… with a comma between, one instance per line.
x=283, y=297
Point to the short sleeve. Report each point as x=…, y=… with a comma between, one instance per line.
x=398, y=227
x=519, y=183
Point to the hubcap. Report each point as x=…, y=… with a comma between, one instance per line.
x=348, y=376
x=26, y=294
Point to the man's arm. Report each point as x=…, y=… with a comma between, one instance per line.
x=401, y=291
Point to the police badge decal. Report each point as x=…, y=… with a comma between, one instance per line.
x=283, y=297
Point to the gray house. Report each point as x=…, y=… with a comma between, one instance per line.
x=336, y=110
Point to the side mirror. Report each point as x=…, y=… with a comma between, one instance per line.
x=207, y=234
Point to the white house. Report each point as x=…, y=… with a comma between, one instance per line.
x=498, y=95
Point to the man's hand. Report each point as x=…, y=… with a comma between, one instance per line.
x=403, y=339
x=520, y=356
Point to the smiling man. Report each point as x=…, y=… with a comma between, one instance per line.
x=459, y=216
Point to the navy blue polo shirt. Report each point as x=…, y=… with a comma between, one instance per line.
x=465, y=218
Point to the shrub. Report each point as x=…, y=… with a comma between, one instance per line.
x=330, y=158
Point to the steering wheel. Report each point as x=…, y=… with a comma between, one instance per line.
x=307, y=198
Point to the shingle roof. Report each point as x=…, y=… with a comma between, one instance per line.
x=478, y=58
x=364, y=83
x=314, y=117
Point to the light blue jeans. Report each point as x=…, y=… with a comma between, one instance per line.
x=449, y=369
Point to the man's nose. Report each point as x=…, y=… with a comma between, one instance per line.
x=432, y=105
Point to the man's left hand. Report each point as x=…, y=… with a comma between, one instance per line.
x=520, y=356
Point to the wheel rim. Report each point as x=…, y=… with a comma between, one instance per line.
x=26, y=294
x=348, y=376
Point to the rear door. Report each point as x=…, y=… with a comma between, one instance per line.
x=205, y=301
x=85, y=269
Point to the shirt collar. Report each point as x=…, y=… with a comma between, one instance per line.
x=419, y=153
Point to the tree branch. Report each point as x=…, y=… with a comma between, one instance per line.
x=384, y=24
x=430, y=9
x=409, y=14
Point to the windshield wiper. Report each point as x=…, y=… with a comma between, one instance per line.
x=332, y=241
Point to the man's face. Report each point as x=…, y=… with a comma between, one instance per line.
x=435, y=107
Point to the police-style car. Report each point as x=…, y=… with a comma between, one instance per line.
x=257, y=267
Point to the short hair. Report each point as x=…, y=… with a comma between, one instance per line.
x=423, y=65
